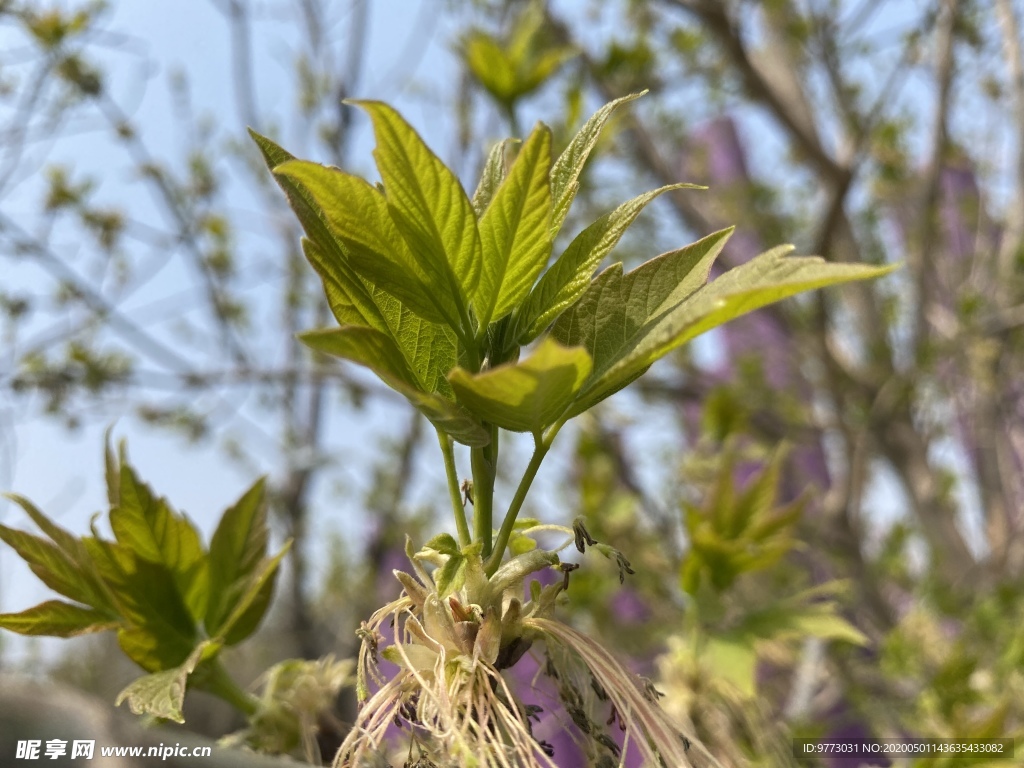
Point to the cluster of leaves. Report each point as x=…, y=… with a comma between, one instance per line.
x=174, y=603
x=437, y=292
x=516, y=66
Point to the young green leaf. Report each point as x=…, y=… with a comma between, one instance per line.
x=237, y=548
x=444, y=543
x=451, y=576
x=57, y=619
x=347, y=294
x=158, y=631
x=65, y=566
x=381, y=355
x=359, y=220
x=566, y=171
x=493, y=174
x=47, y=561
x=763, y=280
x=567, y=279
x=147, y=526
x=612, y=315
x=248, y=610
x=526, y=396
x=515, y=230
x=427, y=203
x=162, y=694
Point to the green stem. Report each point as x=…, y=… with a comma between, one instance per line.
x=541, y=447
x=454, y=492
x=218, y=682
x=485, y=462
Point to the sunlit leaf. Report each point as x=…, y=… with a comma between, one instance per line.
x=515, y=230
x=63, y=565
x=427, y=204
x=569, y=277
x=565, y=173
x=492, y=175
x=529, y=395
x=358, y=218
x=614, y=314
x=763, y=280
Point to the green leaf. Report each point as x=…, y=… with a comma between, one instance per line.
x=147, y=526
x=359, y=221
x=346, y=292
x=111, y=468
x=734, y=660
x=515, y=230
x=347, y=295
x=510, y=70
x=566, y=171
x=489, y=64
x=65, y=566
x=444, y=543
x=569, y=277
x=526, y=396
x=158, y=631
x=763, y=280
x=810, y=613
x=248, y=611
x=451, y=576
x=428, y=205
x=47, y=561
x=829, y=626
x=380, y=354
x=162, y=694
x=493, y=174
x=57, y=619
x=615, y=313
x=237, y=548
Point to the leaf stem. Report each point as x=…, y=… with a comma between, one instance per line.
x=541, y=446
x=485, y=462
x=448, y=451
x=218, y=682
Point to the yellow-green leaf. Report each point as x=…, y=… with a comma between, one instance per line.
x=613, y=315
x=65, y=565
x=515, y=230
x=566, y=171
x=733, y=660
x=381, y=355
x=427, y=204
x=529, y=395
x=493, y=174
x=162, y=694
x=146, y=525
x=569, y=277
x=55, y=618
x=359, y=220
x=763, y=280
x=248, y=609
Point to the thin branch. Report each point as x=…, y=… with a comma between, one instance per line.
x=119, y=322
x=927, y=237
